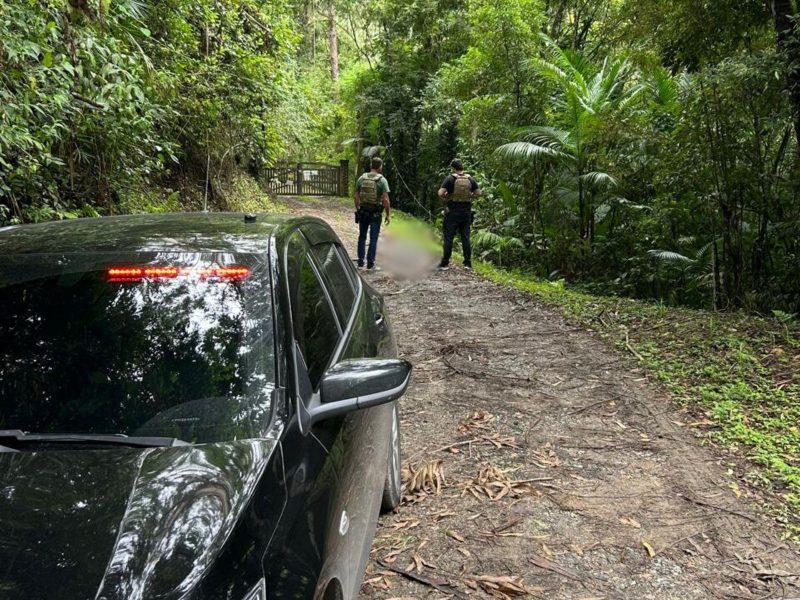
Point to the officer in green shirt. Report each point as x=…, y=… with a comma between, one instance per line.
x=371, y=198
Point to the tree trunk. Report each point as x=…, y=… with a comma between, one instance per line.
x=581, y=208
x=783, y=16
x=554, y=30
x=715, y=278
x=333, y=42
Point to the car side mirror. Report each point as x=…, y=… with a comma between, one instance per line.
x=362, y=383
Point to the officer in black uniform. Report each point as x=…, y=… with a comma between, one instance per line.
x=458, y=190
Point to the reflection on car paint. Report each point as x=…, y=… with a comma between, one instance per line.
x=183, y=504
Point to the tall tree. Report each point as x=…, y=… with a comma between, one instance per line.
x=784, y=17
x=333, y=40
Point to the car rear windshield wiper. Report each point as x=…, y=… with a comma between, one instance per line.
x=14, y=437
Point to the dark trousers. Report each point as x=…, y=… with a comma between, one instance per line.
x=368, y=220
x=457, y=221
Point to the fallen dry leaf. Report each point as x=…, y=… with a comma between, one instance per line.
x=504, y=586
x=455, y=536
x=631, y=522
x=649, y=548
x=549, y=565
x=499, y=441
x=408, y=524
x=443, y=514
x=419, y=563
x=392, y=556
x=380, y=581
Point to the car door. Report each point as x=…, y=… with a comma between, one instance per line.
x=364, y=438
x=312, y=515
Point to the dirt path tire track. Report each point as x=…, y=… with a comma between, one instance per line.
x=625, y=501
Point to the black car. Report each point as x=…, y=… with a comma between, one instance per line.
x=191, y=406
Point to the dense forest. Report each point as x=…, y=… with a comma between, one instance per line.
x=644, y=148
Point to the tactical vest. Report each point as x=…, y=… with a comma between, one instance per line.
x=462, y=188
x=369, y=188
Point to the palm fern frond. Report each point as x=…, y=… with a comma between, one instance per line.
x=371, y=151
x=670, y=256
x=545, y=136
x=601, y=212
x=614, y=75
x=631, y=97
x=484, y=238
x=685, y=84
x=529, y=151
x=548, y=69
x=507, y=196
x=564, y=195
x=575, y=63
x=662, y=87
x=566, y=66
x=599, y=179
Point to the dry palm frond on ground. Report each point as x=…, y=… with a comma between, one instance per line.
x=505, y=586
x=495, y=484
x=427, y=478
x=545, y=457
x=478, y=420
x=498, y=441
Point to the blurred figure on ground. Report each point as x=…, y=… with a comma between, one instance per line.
x=458, y=190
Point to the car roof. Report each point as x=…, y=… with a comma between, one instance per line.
x=182, y=232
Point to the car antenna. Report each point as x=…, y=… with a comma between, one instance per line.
x=205, y=192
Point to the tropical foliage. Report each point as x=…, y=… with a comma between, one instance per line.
x=641, y=148
x=610, y=137
x=103, y=99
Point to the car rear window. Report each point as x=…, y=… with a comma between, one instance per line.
x=175, y=345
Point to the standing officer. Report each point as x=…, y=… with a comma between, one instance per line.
x=457, y=191
x=371, y=198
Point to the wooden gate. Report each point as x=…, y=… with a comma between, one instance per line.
x=308, y=179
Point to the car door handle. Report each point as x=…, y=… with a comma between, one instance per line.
x=379, y=319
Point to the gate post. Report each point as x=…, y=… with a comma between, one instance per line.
x=298, y=179
x=344, y=176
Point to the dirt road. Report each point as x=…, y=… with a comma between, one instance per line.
x=543, y=462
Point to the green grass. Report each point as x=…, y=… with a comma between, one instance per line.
x=738, y=375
